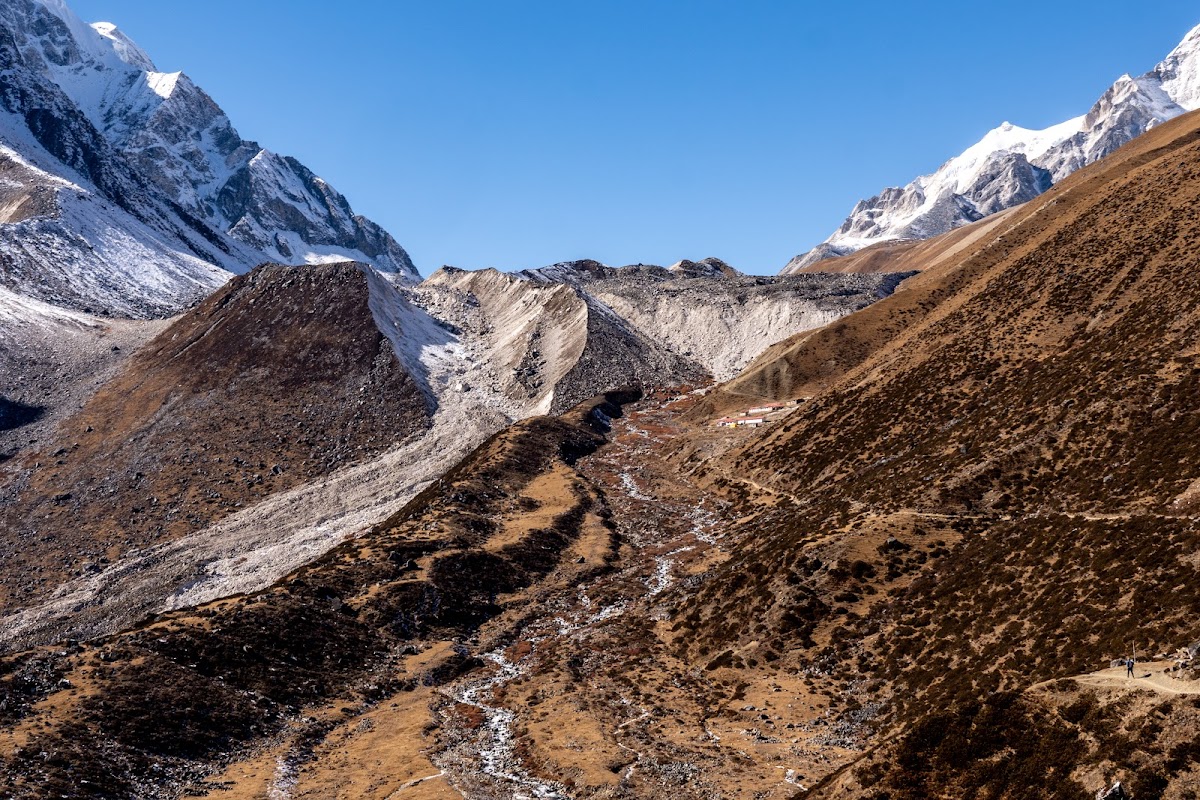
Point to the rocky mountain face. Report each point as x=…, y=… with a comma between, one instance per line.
x=128, y=191
x=183, y=475
x=1012, y=165
x=710, y=313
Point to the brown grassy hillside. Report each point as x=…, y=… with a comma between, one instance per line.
x=358, y=638
x=1038, y=396
x=916, y=254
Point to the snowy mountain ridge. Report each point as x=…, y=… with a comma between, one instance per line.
x=84, y=103
x=1011, y=165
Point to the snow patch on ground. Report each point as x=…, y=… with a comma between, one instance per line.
x=632, y=489
x=497, y=751
x=18, y=311
x=662, y=578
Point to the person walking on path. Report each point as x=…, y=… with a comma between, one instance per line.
x=1129, y=667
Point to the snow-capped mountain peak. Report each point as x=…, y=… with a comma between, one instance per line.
x=1179, y=72
x=1011, y=165
x=124, y=47
x=959, y=174
x=85, y=102
x=163, y=83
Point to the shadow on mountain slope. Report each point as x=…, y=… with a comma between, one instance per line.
x=14, y=414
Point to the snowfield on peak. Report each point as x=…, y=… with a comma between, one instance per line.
x=1011, y=165
x=65, y=244
x=182, y=191
x=1178, y=73
x=125, y=48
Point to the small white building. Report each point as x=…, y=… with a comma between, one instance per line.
x=740, y=422
x=766, y=408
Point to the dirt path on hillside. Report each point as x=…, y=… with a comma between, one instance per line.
x=798, y=500
x=1150, y=675
x=768, y=490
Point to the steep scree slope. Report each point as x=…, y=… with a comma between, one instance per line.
x=278, y=378
x=53, y=360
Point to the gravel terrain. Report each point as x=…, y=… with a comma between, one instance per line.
x=478, y=350
x=51, y=361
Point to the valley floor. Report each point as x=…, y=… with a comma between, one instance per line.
x=583, y=686
x=594, y=694
x=596, y=680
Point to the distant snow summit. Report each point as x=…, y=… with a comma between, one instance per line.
x=1012, y=165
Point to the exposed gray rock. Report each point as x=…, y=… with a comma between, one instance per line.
x=709, y=313
x=130, y=192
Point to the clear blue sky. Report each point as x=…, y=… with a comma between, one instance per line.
x=518, y=133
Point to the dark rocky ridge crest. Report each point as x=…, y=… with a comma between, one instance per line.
x=709, y=268
x=711, y=314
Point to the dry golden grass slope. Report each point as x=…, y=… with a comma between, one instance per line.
x=1037, y=393
x=914, y=254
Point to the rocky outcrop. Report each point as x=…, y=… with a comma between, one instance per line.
x=708, y=268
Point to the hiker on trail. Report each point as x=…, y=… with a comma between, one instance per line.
x=1129, y=667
